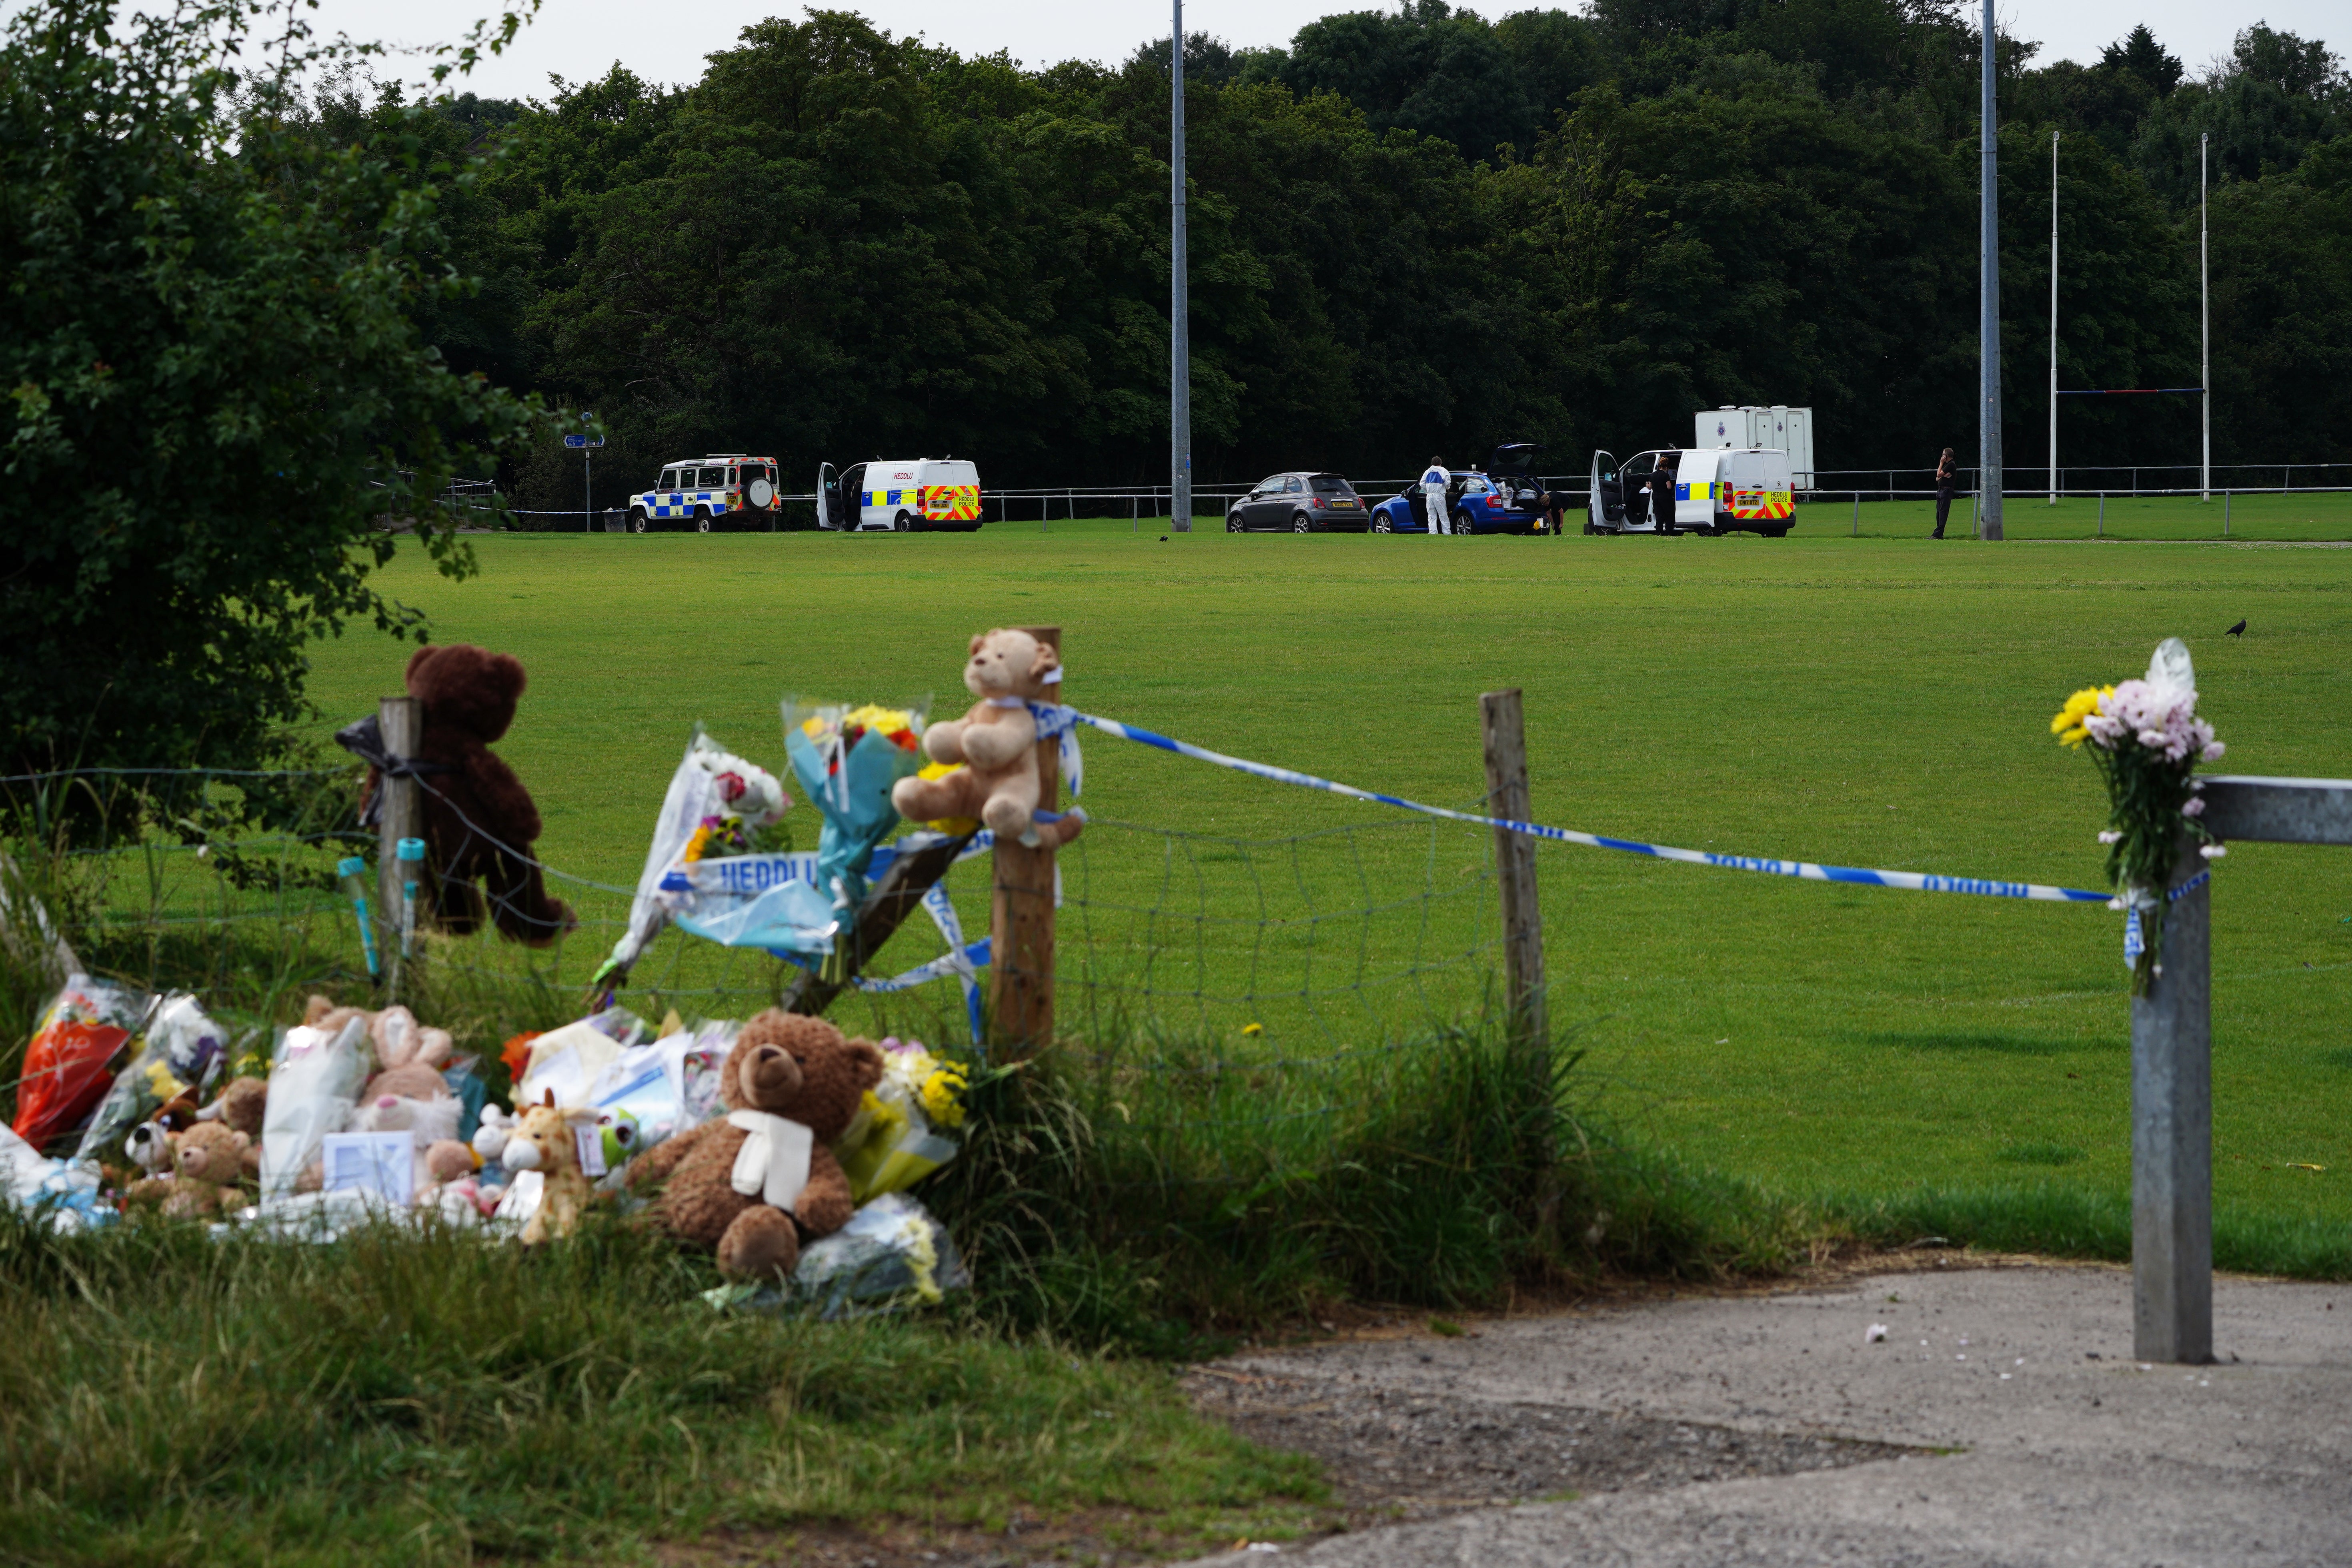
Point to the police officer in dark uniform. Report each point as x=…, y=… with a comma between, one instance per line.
x=1662, y=492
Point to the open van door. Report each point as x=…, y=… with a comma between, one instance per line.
x=1602, y=513
x=828, y=497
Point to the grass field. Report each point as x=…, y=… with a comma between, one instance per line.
x=1877, y=703
x=2307, y=515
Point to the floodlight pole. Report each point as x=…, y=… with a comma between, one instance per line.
x=2053, y=318
x=1180, y=336
x=1989, y=309
x=2204, y=329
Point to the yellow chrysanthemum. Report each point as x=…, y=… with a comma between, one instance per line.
x=889, y=721
x=2068, y=723
x=695, y=845
x=940, y=1091
x=954, y=826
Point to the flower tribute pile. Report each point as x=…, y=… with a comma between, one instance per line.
x=2147, y=739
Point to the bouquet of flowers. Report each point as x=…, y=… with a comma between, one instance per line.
x=847, y=759
x=718, y=846
x=2145, y=739
x=893, y=1140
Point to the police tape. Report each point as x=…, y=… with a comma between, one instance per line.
x=1806, y=870
x=2134, y=934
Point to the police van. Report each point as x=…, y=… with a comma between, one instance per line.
x=912, y=494
x=1714, y=491
x=725, y=488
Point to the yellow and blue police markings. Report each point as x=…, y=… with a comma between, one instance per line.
x=1703, y=491
x=681, y=503
x=938, y=503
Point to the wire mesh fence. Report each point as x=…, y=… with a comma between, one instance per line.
x=1209, y=983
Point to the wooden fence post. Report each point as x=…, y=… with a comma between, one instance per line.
x=1021, y=945
x=401, y=721
x=1506, y=739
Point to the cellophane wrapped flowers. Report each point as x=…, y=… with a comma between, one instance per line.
x=897, y=1137
x=847, y=759
x=2145, y=739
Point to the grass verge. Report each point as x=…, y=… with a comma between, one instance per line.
x=2075, y=1222
x=402, y=1399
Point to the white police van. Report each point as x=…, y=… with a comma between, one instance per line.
x=904, y=496
x=700, y=492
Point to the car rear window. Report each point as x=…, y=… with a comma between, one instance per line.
x=1331, y=485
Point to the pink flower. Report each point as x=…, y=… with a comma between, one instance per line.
x=2109, y=836
x=2193, y=807
x=2213, y=750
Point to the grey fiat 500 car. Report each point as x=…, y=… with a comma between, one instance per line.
x=1300, y=503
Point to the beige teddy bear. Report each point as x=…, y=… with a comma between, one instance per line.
x=206, y=1160
x=996, y=742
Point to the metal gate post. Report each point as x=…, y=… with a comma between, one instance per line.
x=2172, y=1135
x=2172, y=1068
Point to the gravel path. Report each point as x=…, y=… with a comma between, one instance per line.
x=1998, y=1423
x=1394, y=1455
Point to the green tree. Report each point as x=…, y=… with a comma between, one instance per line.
x=2139, y=55
x=2278, y=97
x=1423, y=67
x=217, y=390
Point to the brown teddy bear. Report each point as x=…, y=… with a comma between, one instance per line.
x=206, y=1160
x=757, y=1183
x=996, y=742
x=480, y=822
x=242, y=1107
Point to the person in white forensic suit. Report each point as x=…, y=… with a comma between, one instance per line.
x=1433, y=489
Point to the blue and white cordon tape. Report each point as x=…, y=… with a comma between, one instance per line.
x=1913, y=881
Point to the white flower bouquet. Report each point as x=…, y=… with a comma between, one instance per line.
x=2147, y=739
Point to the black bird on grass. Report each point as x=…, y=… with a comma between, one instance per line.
x=2237, y=631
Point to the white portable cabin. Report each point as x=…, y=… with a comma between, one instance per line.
x=1775, y=425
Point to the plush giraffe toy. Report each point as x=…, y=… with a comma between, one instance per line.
x=542, y=1141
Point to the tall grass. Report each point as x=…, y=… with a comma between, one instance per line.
x=1146, y=1192
x=400, y=1397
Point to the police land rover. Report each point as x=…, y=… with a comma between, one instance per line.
x=724, y=489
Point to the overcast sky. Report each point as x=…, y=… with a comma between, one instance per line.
x=665, y=42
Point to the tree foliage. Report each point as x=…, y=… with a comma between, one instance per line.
x=1411, y=230
x=219, y=388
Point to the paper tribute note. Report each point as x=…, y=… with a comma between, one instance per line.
x=382, y=1165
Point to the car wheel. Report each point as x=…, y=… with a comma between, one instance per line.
x=1232, y=523
x=902, y=523
x=637, y=519
x=1301, y=523
x=1462, y=522
x=702, y=520
x=1380, y=523
x=1781, y=531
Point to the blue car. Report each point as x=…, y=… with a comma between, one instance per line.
x=1501, y=498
